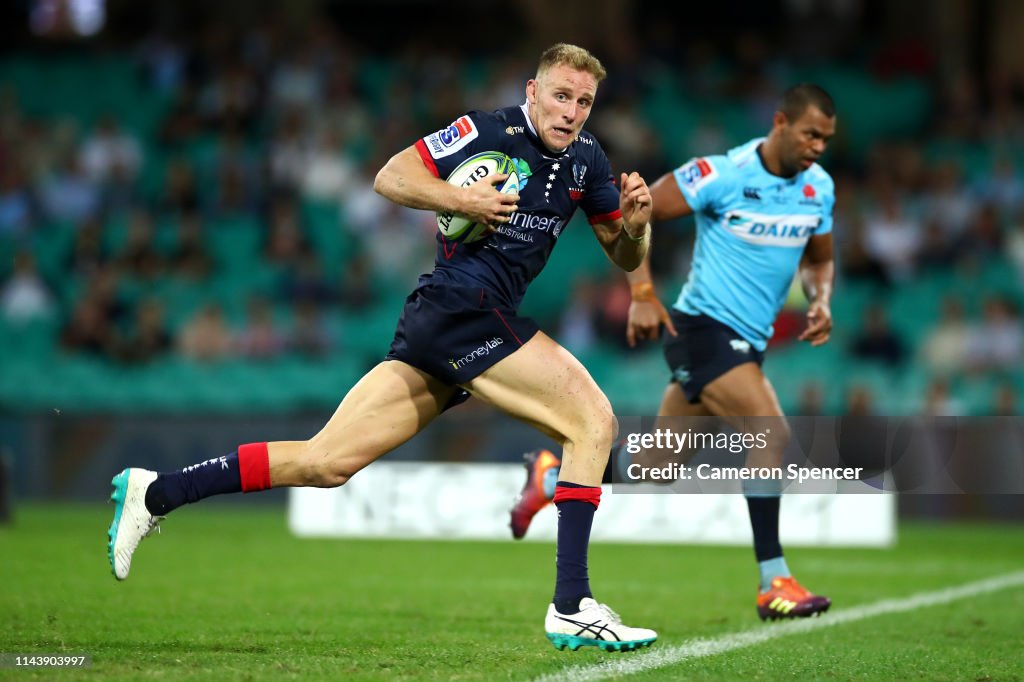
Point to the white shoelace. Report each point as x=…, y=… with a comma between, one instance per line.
x=609, y=614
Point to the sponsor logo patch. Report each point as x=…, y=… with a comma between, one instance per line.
x=451, y=139
x=483, y=350
x=697, y=173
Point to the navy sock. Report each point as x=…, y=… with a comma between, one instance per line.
x=212, y=477
x=575, y=518
x=764, y=521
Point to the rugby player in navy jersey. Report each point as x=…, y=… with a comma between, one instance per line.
x=763, y=214
x=460, y=335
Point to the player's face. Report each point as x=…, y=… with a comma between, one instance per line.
x=805, y=139
x=559, y=102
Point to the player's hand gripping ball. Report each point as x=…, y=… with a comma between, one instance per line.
x=456, y=228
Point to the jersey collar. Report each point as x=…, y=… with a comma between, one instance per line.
x=764, y=166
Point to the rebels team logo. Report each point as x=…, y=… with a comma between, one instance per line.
x=579, y=175
x=451, y=139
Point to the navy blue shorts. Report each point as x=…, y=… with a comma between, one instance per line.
x=455, y=333
x=704, y=350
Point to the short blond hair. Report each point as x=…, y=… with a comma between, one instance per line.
x=572, y=56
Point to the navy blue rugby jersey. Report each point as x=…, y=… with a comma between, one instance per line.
x=553, y=185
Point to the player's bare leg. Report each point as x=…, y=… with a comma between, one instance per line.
x=544, y=385
x=387, y=407
x=744, y=391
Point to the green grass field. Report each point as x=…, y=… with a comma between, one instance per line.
x=227, y=593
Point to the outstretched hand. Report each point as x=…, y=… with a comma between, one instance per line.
x=819, y=324
x=635, y=203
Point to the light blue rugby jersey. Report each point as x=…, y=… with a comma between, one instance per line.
x=752, y=227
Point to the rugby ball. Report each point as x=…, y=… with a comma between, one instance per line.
x=457, y=228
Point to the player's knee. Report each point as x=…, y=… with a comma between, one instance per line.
x=604, y=427
x=780, y=435
x=321, y=469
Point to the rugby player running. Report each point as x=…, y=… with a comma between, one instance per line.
x=763, y=214
x=468, y=302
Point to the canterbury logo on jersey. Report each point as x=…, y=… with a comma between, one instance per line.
x=787, y=230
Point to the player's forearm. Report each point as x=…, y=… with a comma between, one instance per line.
x=629, y=251
x=817, y=279
x=641, y=278
x=406, y=181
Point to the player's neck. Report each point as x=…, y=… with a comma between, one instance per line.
x=766, y=151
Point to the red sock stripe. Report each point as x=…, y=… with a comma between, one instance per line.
x=254, y=465
x=591, y=495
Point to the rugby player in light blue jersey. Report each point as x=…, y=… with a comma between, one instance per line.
x=763, y=213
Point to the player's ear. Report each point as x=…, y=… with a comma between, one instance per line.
x=531, y=91
x=779, y=119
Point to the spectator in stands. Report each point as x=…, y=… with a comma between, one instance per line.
x=260, y=338
x=111, y=153
x=309, y=336
x=876, y=341
x=329, y=170
x=286, y=242
x=939, y=401
x=139, y=258
x=230, y=102
x=235, y=178
x=190, y=258
x=997, y=342
x=945, y=347
x=357, y=288
x=948, y=201
x=89, y=331
x=87, y=255
x=983, y=239
x=69, y=194
x=206, y=337
x=180, y=191
x=859, y=402
x=25, y=296
x=147, y=338
x=16, y=212
x=305, y=281
x=891, y=237
x=289, y=154
x=812, y=400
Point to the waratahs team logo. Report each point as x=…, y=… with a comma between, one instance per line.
x=524, y=172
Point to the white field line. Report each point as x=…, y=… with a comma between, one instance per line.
x=631, y=664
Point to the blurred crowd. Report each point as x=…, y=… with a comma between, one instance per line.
x=258, y=126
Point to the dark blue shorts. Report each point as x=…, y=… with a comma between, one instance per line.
x=455, y=333
x=704, y=350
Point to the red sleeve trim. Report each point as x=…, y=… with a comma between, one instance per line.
x=605, y=217
x=254, y=467
x=428, y=161
x=591, y=495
